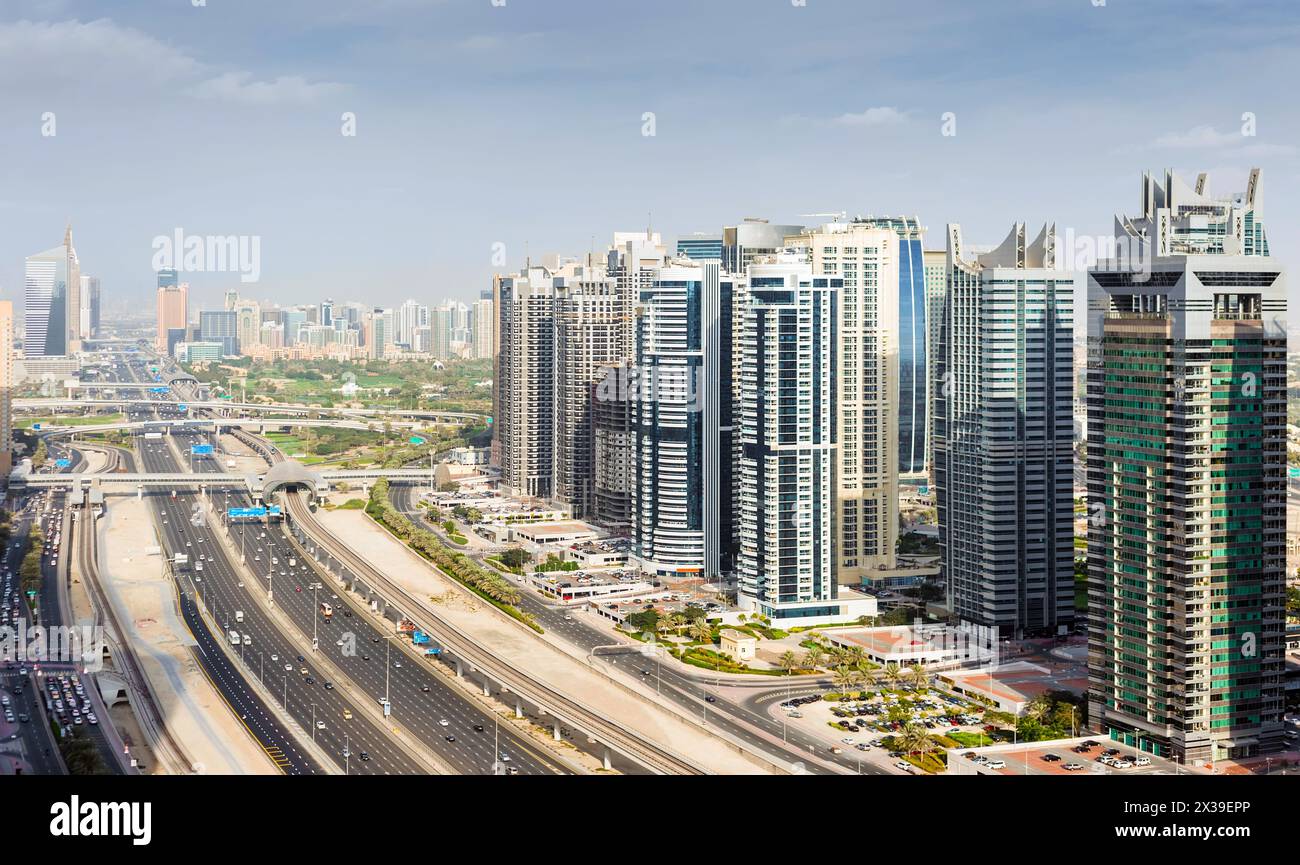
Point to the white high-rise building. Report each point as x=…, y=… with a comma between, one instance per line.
x=483, y=328
x=865, y=260
x=1003, y=431
x=785, y=563
x=524, y=391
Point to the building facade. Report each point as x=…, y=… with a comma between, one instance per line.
x=1187, y=484
x=785, y=563
x=588, y=321
x=524, y=392
x=173, y=312
x=676, y=524
x=1004, y=430
x=6, y=387
x=865, y=263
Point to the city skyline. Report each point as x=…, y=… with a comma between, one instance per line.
x=399, y=210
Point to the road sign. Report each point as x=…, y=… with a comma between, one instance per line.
x=36, y=426
x=234, y=513
x=158, y=390
x=273, y=510
x=201, y=450
x=417, y=440
x=183, y=407
x=1293, y=472
x=63, y=463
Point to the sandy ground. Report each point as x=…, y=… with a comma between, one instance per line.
x=527, y=650
x=192, y=709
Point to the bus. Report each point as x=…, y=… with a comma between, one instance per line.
x=234, y=637
x=326, y=610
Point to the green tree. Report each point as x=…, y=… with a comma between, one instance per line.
x=788, y=661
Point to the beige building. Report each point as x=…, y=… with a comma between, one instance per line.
x=248, y=324
x=738, y=645
x=6, y=386
x=173, y=311
x=866, y=475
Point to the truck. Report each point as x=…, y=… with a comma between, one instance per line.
x=234, y=637
x=239, y=616
x=230, y=464
x=182, y=559
x=326, y=610
x=153, y=435
x=293, y=563
x=198, y=566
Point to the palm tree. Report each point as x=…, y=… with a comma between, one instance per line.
x=813, y=657
x=664, y=625
x=680, y=622
x=788, y=662
x=701, y=630
x=842, y=678
x=920, y=678
x=893, y=673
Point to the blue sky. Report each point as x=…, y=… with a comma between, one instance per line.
x=522, y=124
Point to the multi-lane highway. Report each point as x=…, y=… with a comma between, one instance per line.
x=449, y=727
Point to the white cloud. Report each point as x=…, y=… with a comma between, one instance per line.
x=287, y=89
x=1208, y=138
x=116, y=58
x=882, y=116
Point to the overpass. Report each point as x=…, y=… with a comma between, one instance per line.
x=298, y=409
x=210, y=425
x=286, y=474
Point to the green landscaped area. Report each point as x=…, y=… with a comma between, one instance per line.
x=462, y=385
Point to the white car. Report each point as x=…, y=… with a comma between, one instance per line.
x=443, y=722
x=1142, y=761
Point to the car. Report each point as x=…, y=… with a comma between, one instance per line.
x=288, y=668
x=347, y=714
x=365, y=757
x=906, y=767
x=503, y=757
x=478, y=728
x=709, y=698
x=996, y=764
x=970, y=755
x=1051, y=758
x=847, y=741
x=301, y=659
x=1142, y=761
x=329, y=686
x=1122, y=764
x=449, y=738
x=1073, y=767
x=320, y=725
x=443, y=722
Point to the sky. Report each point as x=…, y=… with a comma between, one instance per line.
x=519, y=125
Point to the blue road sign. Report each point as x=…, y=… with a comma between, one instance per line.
x=273, y=510
x=63, y=463
x=36, y=426
x=235, y=513
x=158, y=390
x=183, y=407
x=201, y=450
x=417, y=440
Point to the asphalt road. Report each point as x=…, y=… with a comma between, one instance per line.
x=744, y=721
x=403, y=678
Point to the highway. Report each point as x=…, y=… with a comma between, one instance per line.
x=745, y=721
x=420, y=697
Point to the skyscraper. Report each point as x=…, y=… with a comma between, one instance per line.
x=46, y=304
x=700, y=247
x=525, y=381
x=679, y=393
x=1187, y=479
x=742, y=243
x=614, y=444
x=912, y=340
x=173, y=310
x=588, y=328
x=248, y=322
x=6, y=387
x=483, y=319
x=865, y=262
x=221, y=326
x=91, y=305
x=1003, y=433
x=72, y=309
x=785, y=564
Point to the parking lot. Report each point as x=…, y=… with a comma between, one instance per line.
x=1080, y=756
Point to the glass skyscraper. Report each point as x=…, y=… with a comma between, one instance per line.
x=913, y=336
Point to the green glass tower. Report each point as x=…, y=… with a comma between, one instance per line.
x=1186, y=468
